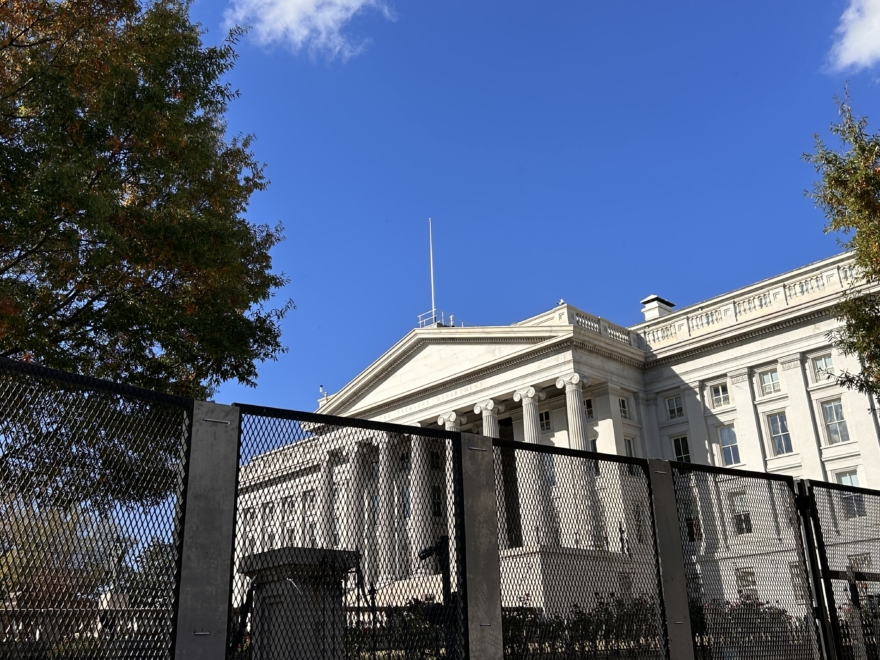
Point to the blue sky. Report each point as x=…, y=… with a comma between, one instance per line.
x=592, y=151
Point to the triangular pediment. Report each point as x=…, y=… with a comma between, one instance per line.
x=425, y=358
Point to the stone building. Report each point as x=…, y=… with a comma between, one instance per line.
x=743, y=380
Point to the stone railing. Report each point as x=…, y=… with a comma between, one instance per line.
x=587, y=322
x=812, y=283
x=602, y=327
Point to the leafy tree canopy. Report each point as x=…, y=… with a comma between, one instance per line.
x=849, y=194
x=124, y=253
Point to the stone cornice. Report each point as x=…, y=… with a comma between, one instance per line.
x=723, y=341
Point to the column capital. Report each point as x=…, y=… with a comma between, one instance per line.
x=790, y=361
x=572, y=381
x=529, y=395
x=488, y=406
x=451, y=418
x=739, y=376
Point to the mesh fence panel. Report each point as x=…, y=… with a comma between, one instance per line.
x=578, y=556
x=746, y=574
x=849, y=523
x=347, y=541
x=91, y=477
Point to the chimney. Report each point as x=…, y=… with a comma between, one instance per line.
x=655, y=307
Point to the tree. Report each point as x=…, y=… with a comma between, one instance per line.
x=124, y=253
x=848, y=192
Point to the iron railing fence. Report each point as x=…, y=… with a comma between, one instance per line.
x=348, y=540
x=747, y=579
x=92, y=479
x=846, y=527
x=578, y=555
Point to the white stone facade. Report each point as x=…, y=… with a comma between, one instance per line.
x=746, y=366
x=744, y=380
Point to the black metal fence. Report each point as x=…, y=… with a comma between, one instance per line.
x=578, y=558
x=355, y=539
x=348, y=540
x=91, y=493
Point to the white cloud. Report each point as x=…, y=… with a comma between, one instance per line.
x=313, y=25
x=857, y=45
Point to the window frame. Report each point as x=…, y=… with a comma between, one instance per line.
x=734, y=446
x=786, y=435
x=681, y=457
x=588, y=408
x=545, y=421
x=676, y=411
x=852, y=504
x=746, y=582
x=623, y=407
x=723, y=397
x=775, y=385
x=822, y=375
x=740, y=512
x=838, y=422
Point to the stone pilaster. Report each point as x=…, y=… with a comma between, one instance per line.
x=803, y=426
x=748, y=432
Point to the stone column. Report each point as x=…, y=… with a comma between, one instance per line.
x=325, y=503
x=420, y=522
x=574, y=407
x=451, y=421
x=591, y=518
x=385, y=527
x=490, y=410
x=537, y=509
x=353, y=523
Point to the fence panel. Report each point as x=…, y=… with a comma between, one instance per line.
x=847, y=528
x=348, y=540
x=745, y=566
x=91, y=485
x=579, y=575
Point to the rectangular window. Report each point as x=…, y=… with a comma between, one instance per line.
x=625, y=584
x=544, y=419
x=435, y=460
x=681, y=449
x=746, y=583
x=780, y=439
x=770, y=382
x=835, y=424
x=823, y=368
x=853, y=504
x=588, y=407
x=268, y=513
x=729, y=448
x=798, y=581
x=406, y=509
x=628, y=447
x=624, y=411
x=742, y=517
x=694, y=529
x=673, y=407
x=720, y=396
x=288, y=508
x=436, y=501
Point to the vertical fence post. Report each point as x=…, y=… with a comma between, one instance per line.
x=208, y=528
x=807, y=511
x=671, y=556
x=482, y=560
